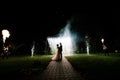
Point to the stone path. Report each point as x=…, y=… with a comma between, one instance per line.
x=60, y=70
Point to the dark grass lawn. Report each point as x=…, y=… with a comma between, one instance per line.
x=96, y=67
x=91, y=67
x=23, y=67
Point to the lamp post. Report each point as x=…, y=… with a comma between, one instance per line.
x=104, y=47
x=5, y=34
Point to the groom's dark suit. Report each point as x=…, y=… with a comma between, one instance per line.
x=60, y=48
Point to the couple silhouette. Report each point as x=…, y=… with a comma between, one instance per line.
x=58, y=55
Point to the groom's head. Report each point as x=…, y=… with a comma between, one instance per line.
x=60, y=43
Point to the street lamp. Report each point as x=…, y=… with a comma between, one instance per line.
x=5, y=34
x=104, y=47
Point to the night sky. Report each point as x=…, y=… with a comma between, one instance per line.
x=35, y=22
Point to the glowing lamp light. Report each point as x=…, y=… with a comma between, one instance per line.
x=5, y=34
x=102, y=40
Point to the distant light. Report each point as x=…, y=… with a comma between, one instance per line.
x=116, y=51
x=102, y=40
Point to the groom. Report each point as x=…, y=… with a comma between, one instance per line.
x=60, y=49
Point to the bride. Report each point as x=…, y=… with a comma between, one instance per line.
x=57, y=55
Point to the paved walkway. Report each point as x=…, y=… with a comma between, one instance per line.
x=60, y=70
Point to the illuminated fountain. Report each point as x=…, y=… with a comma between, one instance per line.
x=87, y=44
x=67, y=38
x=32, y=49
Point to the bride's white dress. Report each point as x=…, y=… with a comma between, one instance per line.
x=56, y=56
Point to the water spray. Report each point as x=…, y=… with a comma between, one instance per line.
x=32, y=49
x=87, y=44
x=67, y=38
